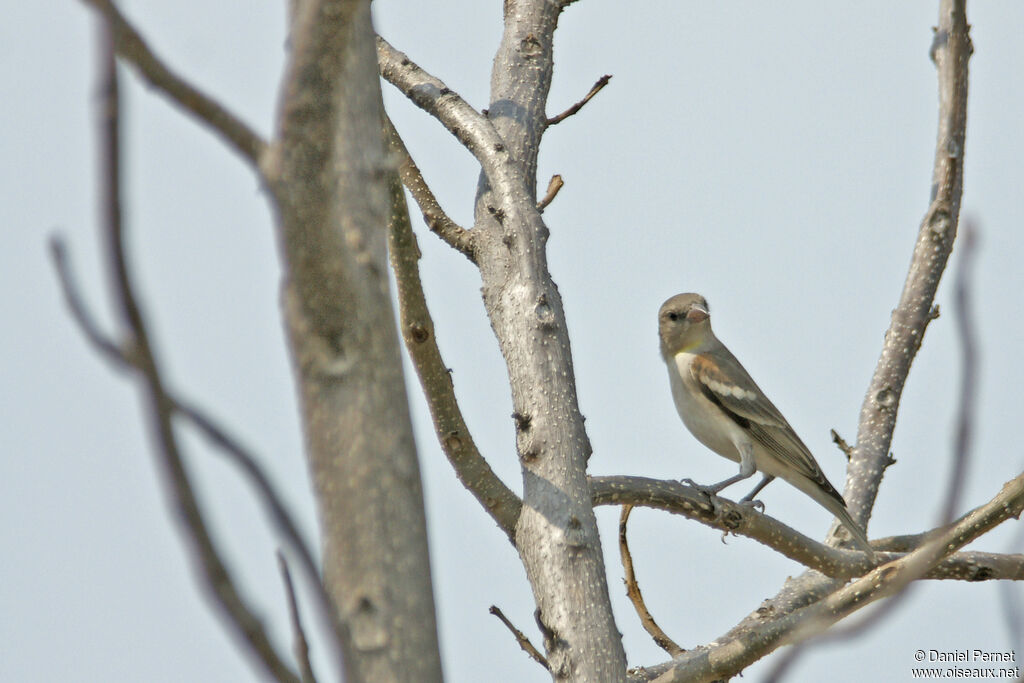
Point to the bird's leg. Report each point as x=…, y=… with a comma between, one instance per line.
x=749, y=498
x=715, y=488
x=747, y=469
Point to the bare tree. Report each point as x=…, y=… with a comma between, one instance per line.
x=334, y=173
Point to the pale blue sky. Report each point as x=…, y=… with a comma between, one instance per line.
x=775, y=159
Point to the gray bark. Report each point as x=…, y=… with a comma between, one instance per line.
x=556, y=534
x=327, y=174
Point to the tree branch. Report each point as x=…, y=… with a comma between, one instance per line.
x=556, y=535
x=951, y=51
x=430, y=94
x=301, y=647
x=521, y=638
x=418, y=332
x=730, y=517
x=131, y=47
x=283, y=522
x=601, y=82
x=554, y=186
x=434, y=216
x=214, y=575
x=636, y=597
x=961, y=455
x=327, y=175
x=742, y=520
x=742, y=646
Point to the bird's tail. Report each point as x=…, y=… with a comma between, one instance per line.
x=839, y=510
x=831, y=500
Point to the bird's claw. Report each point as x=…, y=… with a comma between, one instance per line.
x=709, y=491
x=753, y=504
x=706, y=490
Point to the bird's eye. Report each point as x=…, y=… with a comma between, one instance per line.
x=673, y=316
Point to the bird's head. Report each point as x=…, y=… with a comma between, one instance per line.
x=684, y=324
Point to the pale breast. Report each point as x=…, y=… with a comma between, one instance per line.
x=704, y=419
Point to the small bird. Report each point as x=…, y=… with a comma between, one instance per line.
x=722, y=406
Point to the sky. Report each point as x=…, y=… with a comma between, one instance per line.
x=775, y=158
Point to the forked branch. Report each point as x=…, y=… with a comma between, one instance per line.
x=418, y=333
x=434, y=216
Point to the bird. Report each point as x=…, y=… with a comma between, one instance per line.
x=726, y=411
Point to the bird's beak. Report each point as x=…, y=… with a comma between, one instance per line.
x=697, y=315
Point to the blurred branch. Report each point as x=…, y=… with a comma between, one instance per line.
x=434, y=216
x=122, y=359
x=138, y=354
x=601, y=82
x=968, y=402
x=301, y=647
x=327, y=176
x=636, y=597
x=418, y=333
x=282, y=520
x=951, y=51
x=132, y=48
x=1013, y=615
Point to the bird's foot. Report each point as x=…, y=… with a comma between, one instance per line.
x=706, y=490
x=753, y=504
x=711, y=492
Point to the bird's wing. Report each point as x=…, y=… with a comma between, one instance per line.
x=725, y=382
x=728, y=385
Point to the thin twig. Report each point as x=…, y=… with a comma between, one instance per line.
x=301, y=647
x=554, y=186
x=133, y=49
x=601, y=82
x=841, y=444
x=216, y=579
x=434, y=216
x=636, y=597
x=258, y=479
x=521, y=638
x=283, y=521
x=418, y=333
